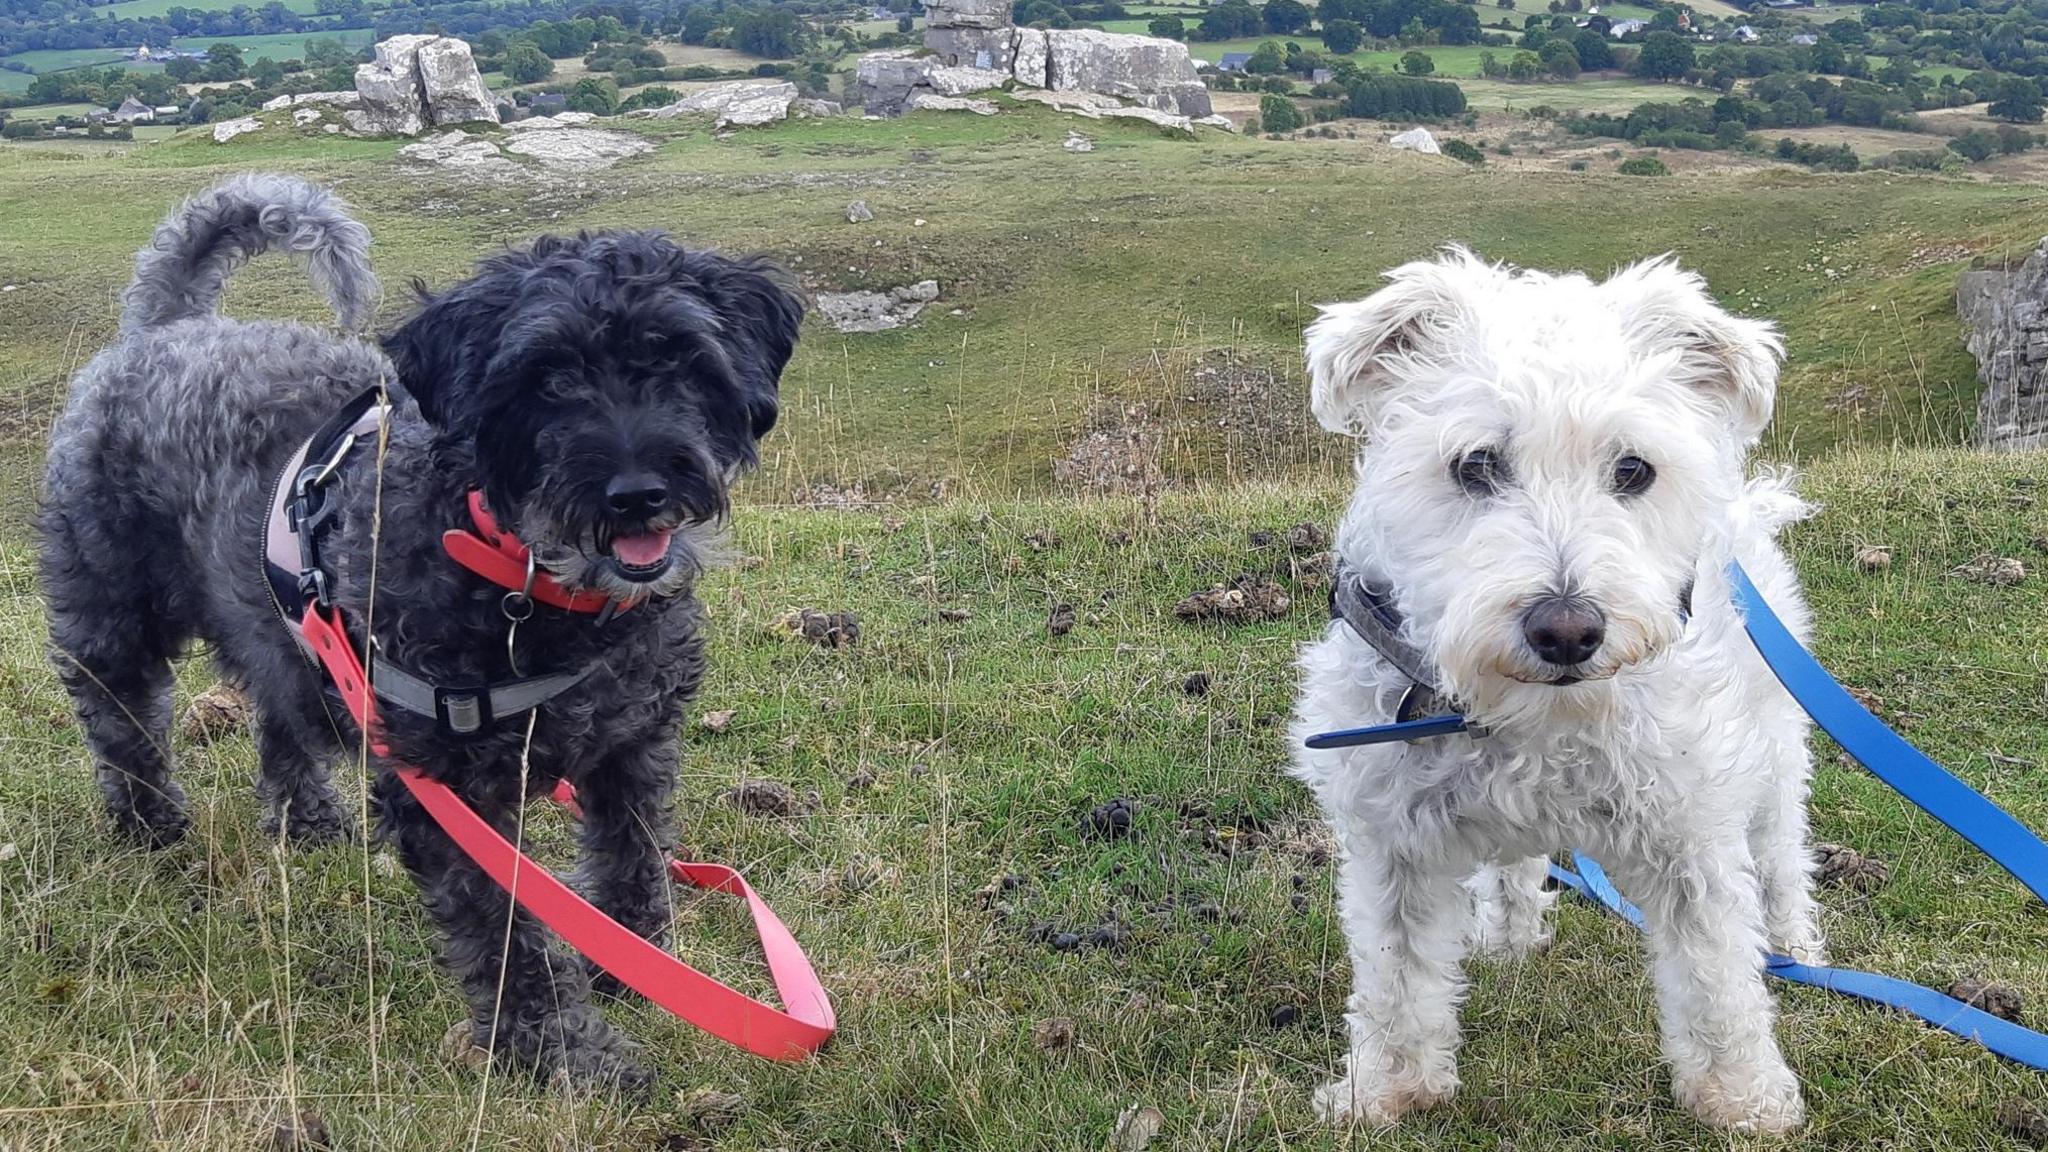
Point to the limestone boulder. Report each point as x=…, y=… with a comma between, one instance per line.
x=227, y=130
x=885, y=80
x=1416, y=140
x=933, y=102
x=747, y=103
x=965, y=81
x=389, y=100
x=988, y=48
x=967, y=14
x=2006, y=309
x=1030, y=62
x=451, y=85
x=1116, y=64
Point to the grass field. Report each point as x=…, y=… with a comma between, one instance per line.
x=287, y=46
x=196, y=997
x=12, y=81
x=144, y=9
x=53, y=111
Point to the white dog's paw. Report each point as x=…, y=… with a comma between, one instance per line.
x=1510, y=913
x=1808, y=947
x=1760, y=1100
x=1373, y=1102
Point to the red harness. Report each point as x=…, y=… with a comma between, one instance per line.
x=759, y=1027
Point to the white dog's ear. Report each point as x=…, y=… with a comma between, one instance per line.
x=1665, y=309
x=1356, y=350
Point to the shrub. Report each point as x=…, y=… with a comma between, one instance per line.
x=1576, y=166
x=1460, y=150
x=1643, y=166
x=1278, y=113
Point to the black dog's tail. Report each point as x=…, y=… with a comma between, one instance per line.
x=182, y=272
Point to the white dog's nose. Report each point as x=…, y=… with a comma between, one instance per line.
x=1564, y=630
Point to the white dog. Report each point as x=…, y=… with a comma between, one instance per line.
x=1550, y=489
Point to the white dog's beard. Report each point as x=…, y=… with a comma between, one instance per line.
x=1487, y=666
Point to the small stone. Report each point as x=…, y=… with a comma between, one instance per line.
x=1065, y=941
x=768, y=798
x=2000, y=571
x=858, y=212
x=306, y=1132
x=1197, y=684
x=215, y=713
x=1053, y=1034
x=2024, y=1121
x=1137, y=1128
x=717, y=721
x=1043, y=540
x=1110, y=821
x=9, y=851
x=1873, y=558
x=1282, y=1015
x=1841, y=866
x=2000, y=1000
x=956, y=615
x=1061, y=620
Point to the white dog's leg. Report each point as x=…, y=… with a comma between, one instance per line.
x=1784, y=862
x=1706, y=948
x=1510, y=906
x=1406, y=926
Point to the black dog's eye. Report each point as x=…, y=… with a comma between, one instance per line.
x=1480, y=472
x=1633, y=476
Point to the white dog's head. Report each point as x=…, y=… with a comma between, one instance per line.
x=1545, y=461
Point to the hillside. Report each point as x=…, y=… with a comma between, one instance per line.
x=1151, y=272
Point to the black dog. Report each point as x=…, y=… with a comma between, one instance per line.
x=600, y=393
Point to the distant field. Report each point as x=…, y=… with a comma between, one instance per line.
x=685, y=55
x=56, y=59
x=1598, y=95
x=12, y=81
x=284, y=46
x=52, y=111
x=1868, y=143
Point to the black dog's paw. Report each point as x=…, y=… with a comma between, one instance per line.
x=154, y=825
x=310, y=829
x=613, y=1068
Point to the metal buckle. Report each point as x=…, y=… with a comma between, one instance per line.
x=463, y=710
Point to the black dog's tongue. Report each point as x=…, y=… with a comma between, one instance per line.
x=642, y=551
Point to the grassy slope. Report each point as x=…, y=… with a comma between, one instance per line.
x=194, y=997
x=1083, y=277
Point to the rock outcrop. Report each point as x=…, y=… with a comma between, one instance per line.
x=349, y=99
x=973, y=47
x=227, y=130
x=1416, y=140
x=2006, y=309
x=876, y=311
x=743, y=102
x=418, y=82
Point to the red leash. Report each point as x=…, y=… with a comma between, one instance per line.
x=730, y=1015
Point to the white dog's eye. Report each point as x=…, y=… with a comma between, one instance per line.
x=1480, y=472
x=1633, y=476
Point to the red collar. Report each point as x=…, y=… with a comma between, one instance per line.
x=497, y=555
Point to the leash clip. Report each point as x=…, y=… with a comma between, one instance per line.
x=518, y=603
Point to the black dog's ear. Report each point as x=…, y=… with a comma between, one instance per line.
x=760, y=313
x=443, y=349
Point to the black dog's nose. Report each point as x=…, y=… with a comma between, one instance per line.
x=636, y=494
x=1563, y=630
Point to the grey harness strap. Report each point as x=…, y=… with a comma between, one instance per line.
x=1369, y=612
x=468, y=708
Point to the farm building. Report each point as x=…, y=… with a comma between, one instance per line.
x=1233, y=61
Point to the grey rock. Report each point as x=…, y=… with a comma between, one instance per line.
x=965, y=81
x=348, y=99
x=885, y=80
x=576, y=149
x=2006, y=309
x=391, y=102
x=743, y=102
x=1416, y=140
x=1078, y=143
x=1121, y=65
x=304, y=116
x=459, y=149
x=1030, y=63
x=810, y=107
x=451, y=85
x=933, y=102
x=993, y=49
x=858, y=212
x=227, y=130
x=876, y=311
x=967, y=14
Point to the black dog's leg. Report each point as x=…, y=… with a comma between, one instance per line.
x=125, y=710
x=529, y=1004
x=295, y=744
x=627, y=836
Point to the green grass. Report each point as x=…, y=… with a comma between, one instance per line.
x=54, y=111
x=57, y=59
x=195, y=997
x=12, y=81
x=284, y=46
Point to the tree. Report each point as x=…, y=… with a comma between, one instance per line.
x=1343, y=37
x=1525, y=67
x=1491, y=67
x=267, y=73
x=654, y=97
x=1560, y=59
x=1168, y=28
x=224, y=62
x=1278, y=114
x=1228, y=21
x=1267, y=60
x=526, y=64
x=597, y=95
x=1592, y=49
x=1417, y=63
x=2018, y=99
x=1665, y=56
x=774, y=33
x=1283, y=17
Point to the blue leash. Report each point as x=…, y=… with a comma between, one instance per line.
x=1904, y=768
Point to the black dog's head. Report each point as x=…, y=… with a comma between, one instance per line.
x=608, y=388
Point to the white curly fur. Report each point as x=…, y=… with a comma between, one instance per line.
x=1677, y=760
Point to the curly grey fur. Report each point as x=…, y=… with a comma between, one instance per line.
x=535, y=382
x=181, y=274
